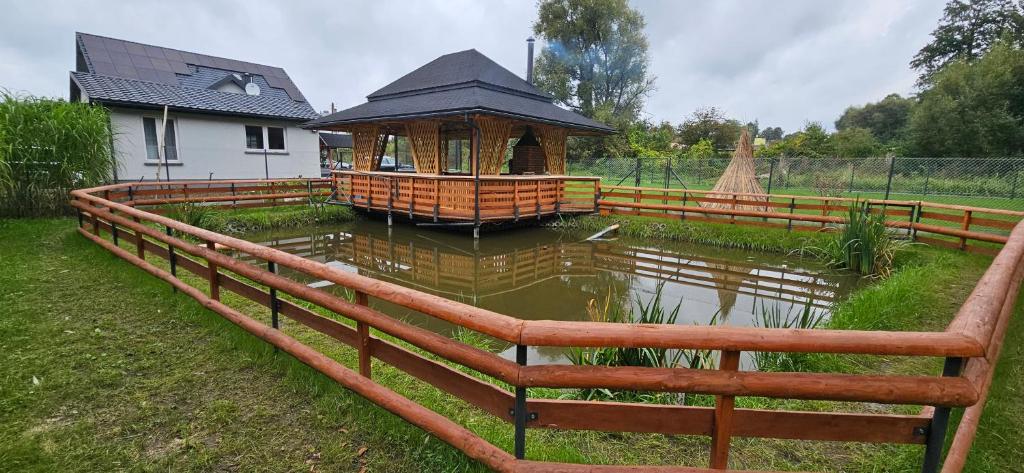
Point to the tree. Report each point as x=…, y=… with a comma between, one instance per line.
x=856, y=143
x=711, y=124
x=973, y=108
x=967, y=30
x=772, y=134
x=886, y=119
x=594, y=58
x=811, y=142
x=647, y=140
x=703, y=149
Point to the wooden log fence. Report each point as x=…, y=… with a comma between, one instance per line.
x=961, y=227
x=970, y=344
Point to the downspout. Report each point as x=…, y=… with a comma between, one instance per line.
x=476, y=176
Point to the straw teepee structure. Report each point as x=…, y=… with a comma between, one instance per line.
x=739, y=177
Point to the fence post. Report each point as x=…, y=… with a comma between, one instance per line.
x=140, y=244
x=272, y=267
x=853, y=171
x=639, y=169
x=888, y=184
x=927, y=177
x=965, y=226
x=792, y=207
x=771, y=174
x=936, y=434
x=1016, y=174
x=171, y=259
x=668, y=171
x=722, y=430
x=519, y=411
x=214, y=276
x=363, y=331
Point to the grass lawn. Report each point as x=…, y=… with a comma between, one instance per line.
x=103, y=368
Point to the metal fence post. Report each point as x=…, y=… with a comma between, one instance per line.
x=639, y=169
x=927, y=177
x=936, y=434
x=888, y=184
x=771, y=173
x=853, y=171
x=1016, y=175
x=668, y=170
x=171, y=259
x=519, y=411
x=272, y=267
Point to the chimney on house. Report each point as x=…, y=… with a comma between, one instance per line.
x=529, y=60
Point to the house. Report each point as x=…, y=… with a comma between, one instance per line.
x=226, y=119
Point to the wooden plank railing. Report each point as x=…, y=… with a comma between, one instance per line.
x=975, y=335
x=453, y=197
x=220, y=193
x=952, y=226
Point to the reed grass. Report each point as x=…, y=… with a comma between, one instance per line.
x=863, y=245
x=47, y=148
x=805, y=318
x=711, y=234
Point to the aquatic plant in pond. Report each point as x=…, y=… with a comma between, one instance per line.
x=863, y=245
x=191, y=213
x=652, y=312
x=772, y=317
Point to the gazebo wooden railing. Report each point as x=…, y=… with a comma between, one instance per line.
x=970, y=345
x=453, y=197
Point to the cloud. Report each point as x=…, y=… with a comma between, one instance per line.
x=779, y=62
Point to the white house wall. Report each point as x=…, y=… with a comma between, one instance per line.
x=212, y=144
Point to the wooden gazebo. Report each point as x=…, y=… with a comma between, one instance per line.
x=454, y=100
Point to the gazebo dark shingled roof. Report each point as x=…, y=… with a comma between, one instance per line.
x=458, y=83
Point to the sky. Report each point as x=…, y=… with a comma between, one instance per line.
x=783, y=63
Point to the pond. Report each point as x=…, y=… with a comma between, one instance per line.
x=539, y=273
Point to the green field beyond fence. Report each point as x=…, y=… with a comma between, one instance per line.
x=984, y=182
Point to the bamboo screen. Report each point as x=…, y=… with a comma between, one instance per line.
x=424, y=143
x=494, y=134
x=552, y=139
x=365, y=146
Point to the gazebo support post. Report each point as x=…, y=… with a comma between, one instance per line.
x=475, y=159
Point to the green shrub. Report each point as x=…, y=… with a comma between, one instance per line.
x=47, y=148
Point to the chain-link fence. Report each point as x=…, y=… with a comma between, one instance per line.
x=983, y=182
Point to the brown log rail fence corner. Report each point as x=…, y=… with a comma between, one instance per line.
x=973, y=229
x=970, y=346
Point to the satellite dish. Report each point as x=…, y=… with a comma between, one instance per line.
x=252, y=89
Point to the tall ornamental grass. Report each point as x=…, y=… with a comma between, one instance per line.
x=47, y=148
x=863, y=245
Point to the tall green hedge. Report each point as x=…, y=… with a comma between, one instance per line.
x=47, y=148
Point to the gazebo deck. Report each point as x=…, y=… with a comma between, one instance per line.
x=451, y=198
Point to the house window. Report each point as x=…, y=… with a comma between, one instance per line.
x=149, y=127
x=254, y=137
x=265, y=138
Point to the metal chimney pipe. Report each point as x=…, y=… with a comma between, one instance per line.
x=529, y=59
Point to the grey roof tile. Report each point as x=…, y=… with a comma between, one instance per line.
x=463, y=82
x=118, y=90
x=170, y=67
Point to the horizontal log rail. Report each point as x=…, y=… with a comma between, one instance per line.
x=963, y=224
x=971, y=344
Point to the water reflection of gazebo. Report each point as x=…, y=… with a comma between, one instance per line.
x=462, y=98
